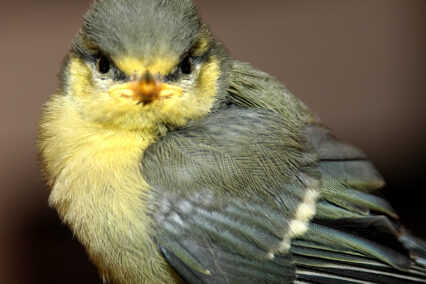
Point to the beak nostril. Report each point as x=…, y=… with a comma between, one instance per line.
x=148, y=78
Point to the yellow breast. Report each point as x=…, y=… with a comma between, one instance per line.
x=97, y=189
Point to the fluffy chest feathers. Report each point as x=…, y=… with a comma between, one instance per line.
x=84, y=161
x=97, y=189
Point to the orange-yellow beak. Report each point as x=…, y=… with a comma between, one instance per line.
x=145, y=90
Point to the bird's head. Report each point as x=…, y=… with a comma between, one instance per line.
x=137, y=63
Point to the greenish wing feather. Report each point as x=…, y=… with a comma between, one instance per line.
x=355, y=236
x=225, y=192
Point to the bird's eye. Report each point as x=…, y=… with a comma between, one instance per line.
x=186, y=65
x=103, y=64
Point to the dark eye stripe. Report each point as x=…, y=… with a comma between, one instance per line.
x=103, y=63
x=175, y=75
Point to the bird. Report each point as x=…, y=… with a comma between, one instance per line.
x=172, y=162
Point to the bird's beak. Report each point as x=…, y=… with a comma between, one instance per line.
x=145, y=89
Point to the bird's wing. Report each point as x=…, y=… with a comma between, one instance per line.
x=229, y=193
x=232, y=191
x=355, y=236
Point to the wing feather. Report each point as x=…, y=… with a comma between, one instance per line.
x=227, y=196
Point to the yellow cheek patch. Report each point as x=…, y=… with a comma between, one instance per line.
x=81, y=76
x=209, y=77
x=197, y=102
x=133, y=65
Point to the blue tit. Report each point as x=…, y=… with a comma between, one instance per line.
x=172, y=162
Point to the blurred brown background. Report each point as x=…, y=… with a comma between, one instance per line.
x=361, y=65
